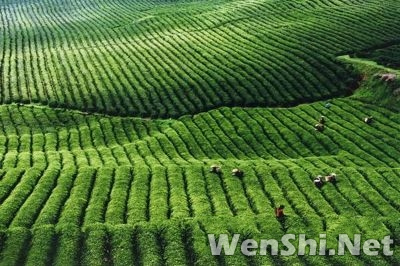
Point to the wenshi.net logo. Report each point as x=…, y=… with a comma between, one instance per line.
x=291, y=244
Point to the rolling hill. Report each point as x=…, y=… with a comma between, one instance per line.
x=112, y=113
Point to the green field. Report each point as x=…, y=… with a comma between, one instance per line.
x=112, y=112
x=387, y=56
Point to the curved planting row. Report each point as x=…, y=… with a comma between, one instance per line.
x=129, y=195
x=168, y=59
x=40, y=136
x=176, y=242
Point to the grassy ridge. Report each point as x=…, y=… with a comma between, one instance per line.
x=389, y=56
x=372, y=89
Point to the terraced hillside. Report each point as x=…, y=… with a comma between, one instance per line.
x=113, y=111
x=74, y=178
x=165, y=59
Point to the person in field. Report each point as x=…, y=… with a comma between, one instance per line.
x=368, y=120
x=322, y=120
x=215, y=169
x=318, y=181
x=237, y=172
x=331, y=178
x=319, y=127
x=279, y=212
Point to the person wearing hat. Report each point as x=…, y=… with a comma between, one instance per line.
x=237, y=172
x=319, y=127
x=279, y=212
x=368, y=120
x=322, y=120
x=318, y=181
x=331, y=178
x=215, y=169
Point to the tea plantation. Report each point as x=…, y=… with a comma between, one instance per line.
x=113, y=112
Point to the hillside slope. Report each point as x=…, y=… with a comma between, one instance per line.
x=170, y=58
x=133, y=190
x=112, y=112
